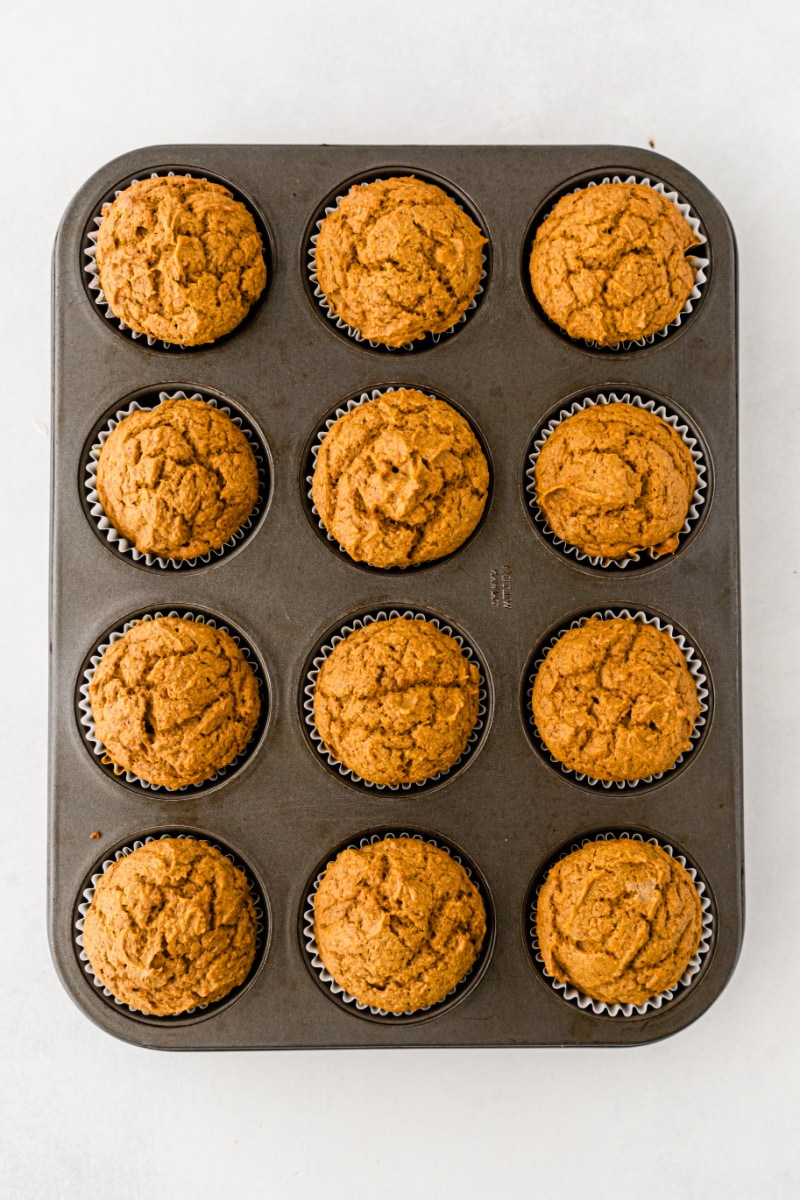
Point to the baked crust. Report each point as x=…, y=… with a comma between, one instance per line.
x=615, y=700
x=398, y=923
x=400, y=480
x=171, y=926
x=396, y=701
x=620, y=920
x=174, y=701
x=609, y=263
x=179, y=259
x=398, y=259
x=614, y=479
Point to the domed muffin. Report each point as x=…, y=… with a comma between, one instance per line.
x=619, y=920
x=398, y=923
x=179, y=259
x=396, y=701
x=400, y=480
x=179, y=480
x=170, y=927
x=173, y=701
x=614, y=479
x=609, y=263
x=615, y=700
x=398, y=259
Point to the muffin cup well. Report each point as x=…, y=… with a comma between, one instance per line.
x=310, y=462
x=648, y=404
x=700, y=263
x=573, y=995
x=128, y=778
x=91, y=278
x=345, y=774
x=331, y=203
x=114, y=539
x=697, y=670
x=343, y=998
x=201, y=1011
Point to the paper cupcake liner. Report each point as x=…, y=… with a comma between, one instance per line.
x=92, y=279
x=696, y=669
x=315, y=738
x=699, y=263
x=324, y=976
x=342, y=411
x=681, y=427
x=98, y=750
x=121, y=544
x=569, y=992
x=88, y=895
x=348, y=330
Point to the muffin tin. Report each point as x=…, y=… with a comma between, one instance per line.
x=285, y=810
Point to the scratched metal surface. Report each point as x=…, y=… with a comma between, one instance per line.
x=508, y=810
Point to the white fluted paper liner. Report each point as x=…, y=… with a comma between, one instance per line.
x=659, y=410
x=322, y=299
x=654, y=1003
x=312, y=950
x=696, y=670
x=345, y=631
x=87, y=720
x=356, y=402
x=116, y=539
x=699, y=263
x=88, y=895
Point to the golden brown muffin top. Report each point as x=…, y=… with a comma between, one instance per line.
x=171, y=926
x=398, y=924
x=619, y=920
x=177, y=481
x=173, y=701
x=609, y=263
x=396, y=701
x=614, y=479
x=179, y=259
x=398, y=259
x=614, y=699
x=400, y=480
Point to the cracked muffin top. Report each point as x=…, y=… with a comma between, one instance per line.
x=398, y=259
x=609, y=263
x=400, y=480
x=171, y=926
x=615, y=700
x=177, y=481
x=179, y=259
x=174, y=701
x=398, y=923
x=615, y=479
x=619, y=920
x=396, y=701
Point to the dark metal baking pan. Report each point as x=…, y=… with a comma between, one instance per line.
x=507, y=809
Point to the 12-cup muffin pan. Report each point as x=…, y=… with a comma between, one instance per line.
x=286, y=807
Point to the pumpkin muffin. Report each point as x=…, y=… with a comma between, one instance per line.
x=396, y=701
x=179, y=480
x=179, y=259
x=398, y=259
x=615, y=700
x=398, y=924
x=614, y=479
x=400, y=480
x=609, y=263
x=173, y=701
x=170, y=927
x=619, y=920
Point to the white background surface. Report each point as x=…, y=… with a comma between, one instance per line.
x=710, y=1113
